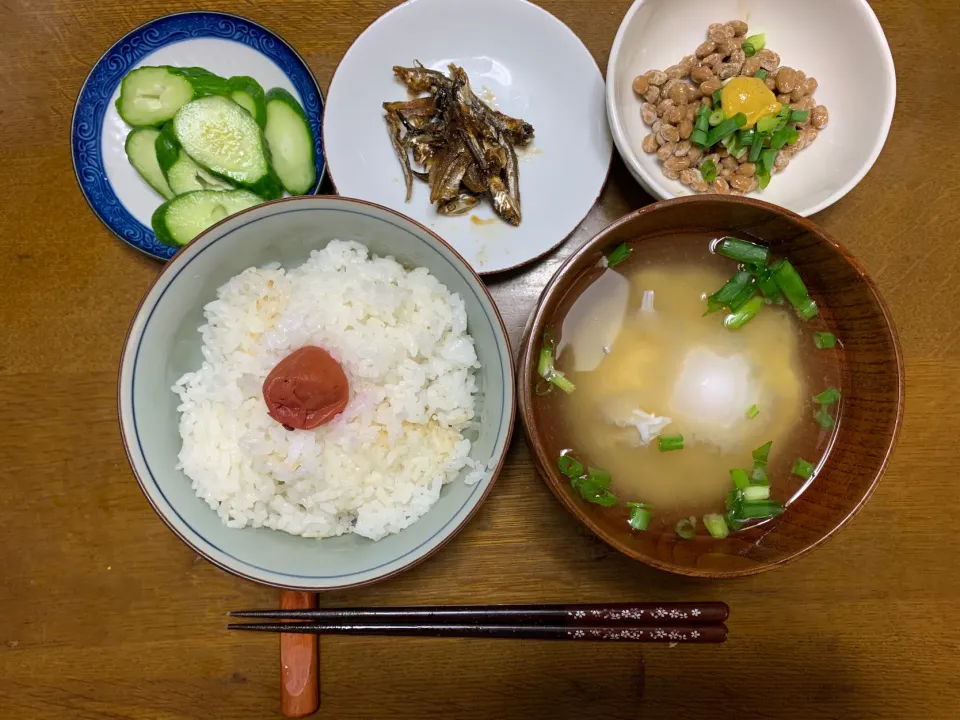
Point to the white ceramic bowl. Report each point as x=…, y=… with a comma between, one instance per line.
x=524, y=60
x=163, y=344
x=839, y=42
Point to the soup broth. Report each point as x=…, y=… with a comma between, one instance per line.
x=645, y=359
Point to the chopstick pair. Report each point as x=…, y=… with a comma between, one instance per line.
x=635, y=622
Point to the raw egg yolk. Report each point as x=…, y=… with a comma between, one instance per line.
x=750, y=96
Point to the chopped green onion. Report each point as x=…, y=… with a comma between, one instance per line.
x=716, y=117
x=725, y=128
x=825, y=419
x=741, y=299
x=756, y=492
x=740, y=479
x=594, y=490
x=759, y=475
x=639, y=515
x=716, y=98
x=763, y=179
x=755, y=42
x=545, y=367
x=808, y=310
x=745, y=314
x=713, y=306
x=709, y=171
x=742, y=251
x=824, y=340
x=827, y=397
x=762, y=453
x=600, y=476
x=686, y=528
x=766, y=159
x=570, y=466
x=790, y=283
x=731, y=289
x=753, y=411
x=799, y=116
x=779, y=138
x=756, y=147
x=716, y=525
x=620, y=253
x=802, y=468
x=734, y=498
x=745, y=137
x=761, y=73
x=785, y=111
x=767, y=124
x=769, y=287
x=793, y=135
x=699, y=137
x=760, y=510
x=670, y=442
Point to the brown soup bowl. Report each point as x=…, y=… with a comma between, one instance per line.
x=871, y=375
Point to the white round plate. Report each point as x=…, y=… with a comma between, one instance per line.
x=221, y=43
x=526, y=63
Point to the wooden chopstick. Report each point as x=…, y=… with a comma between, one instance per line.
x=601, y=614
x=711, y=633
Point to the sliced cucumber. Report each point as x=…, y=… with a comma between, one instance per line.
x=226, y=140
x=247, y=93
x=150, y=96
x=290, y=141
x=182, y=174
x=142, y=154
x=203, y=81
x=180, y=220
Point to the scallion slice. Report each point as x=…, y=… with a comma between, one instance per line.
x=716, y=525
x=725, y=295
x=716, y=117
x=742, y=251
x=686, y=528
x=640, y=515
x=759, y=510
x=827, y=397
x=725, y=128
x=769, y=287
x=620, y=253
x=762, y=453
x=745, y=314
x=753, y=44
x=808, y=310
x=545, y=367
x=799, y=116
x=802, y=468
x=767, y=124
x=745, y=137
x=824, y=340
x=716, y=98
x=709, y=171
x=570, y=466
x=766, y=159
x=740, y=479
x=763, y=179
x=761, y=73
x=759, y=474
x=670, y=442
x=753, y=411
x=790, y=283
x=699, y=137
x=824, y=419
x=595, y=490
x=756, y=492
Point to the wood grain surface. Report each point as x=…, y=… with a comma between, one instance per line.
x=105, y=614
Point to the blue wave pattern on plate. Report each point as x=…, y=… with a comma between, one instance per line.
x=106, y=75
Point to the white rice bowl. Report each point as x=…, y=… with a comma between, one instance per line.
x=402, y=340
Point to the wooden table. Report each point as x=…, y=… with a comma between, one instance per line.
x=105, y=614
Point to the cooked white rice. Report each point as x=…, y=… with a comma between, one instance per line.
x=402, y=339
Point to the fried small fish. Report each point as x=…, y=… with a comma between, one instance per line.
x=464, y=202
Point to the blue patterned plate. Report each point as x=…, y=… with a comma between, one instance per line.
x=224, y=44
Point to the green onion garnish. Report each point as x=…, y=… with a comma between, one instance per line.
x=779, y=138
x=595, y=490
x=734, y=498
x=745, y=137
x=545, y=367
x=766, y=159
x=639, y=515
x=716, y=98
x=824, y=340
x=756, y=147
x=745, y=314
x=824, y=419
x=759, y=475
x=753, y=44
x=762, y=453
x=753, y=411
x=767, y=124
x=620, y=253
x=709, y=171
x=790, y=283
x=686, y=528
x=763, y=179
x=570, y=466
x=793, y=135
x=716, y=525
x=740, y=479
x=756, y=492
x=670, y=442
x=769, y=287
x=716, y=117
x=759, y=510
x=761, y=73
x=732, y=288
x=742, y=251
x=699, y=137
x=827, y=397
x=802, y=468
x=600, y=476
x=799, y=116
x=725, y=128
x=741, y=299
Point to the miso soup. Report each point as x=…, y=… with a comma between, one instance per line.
x=648, y=363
